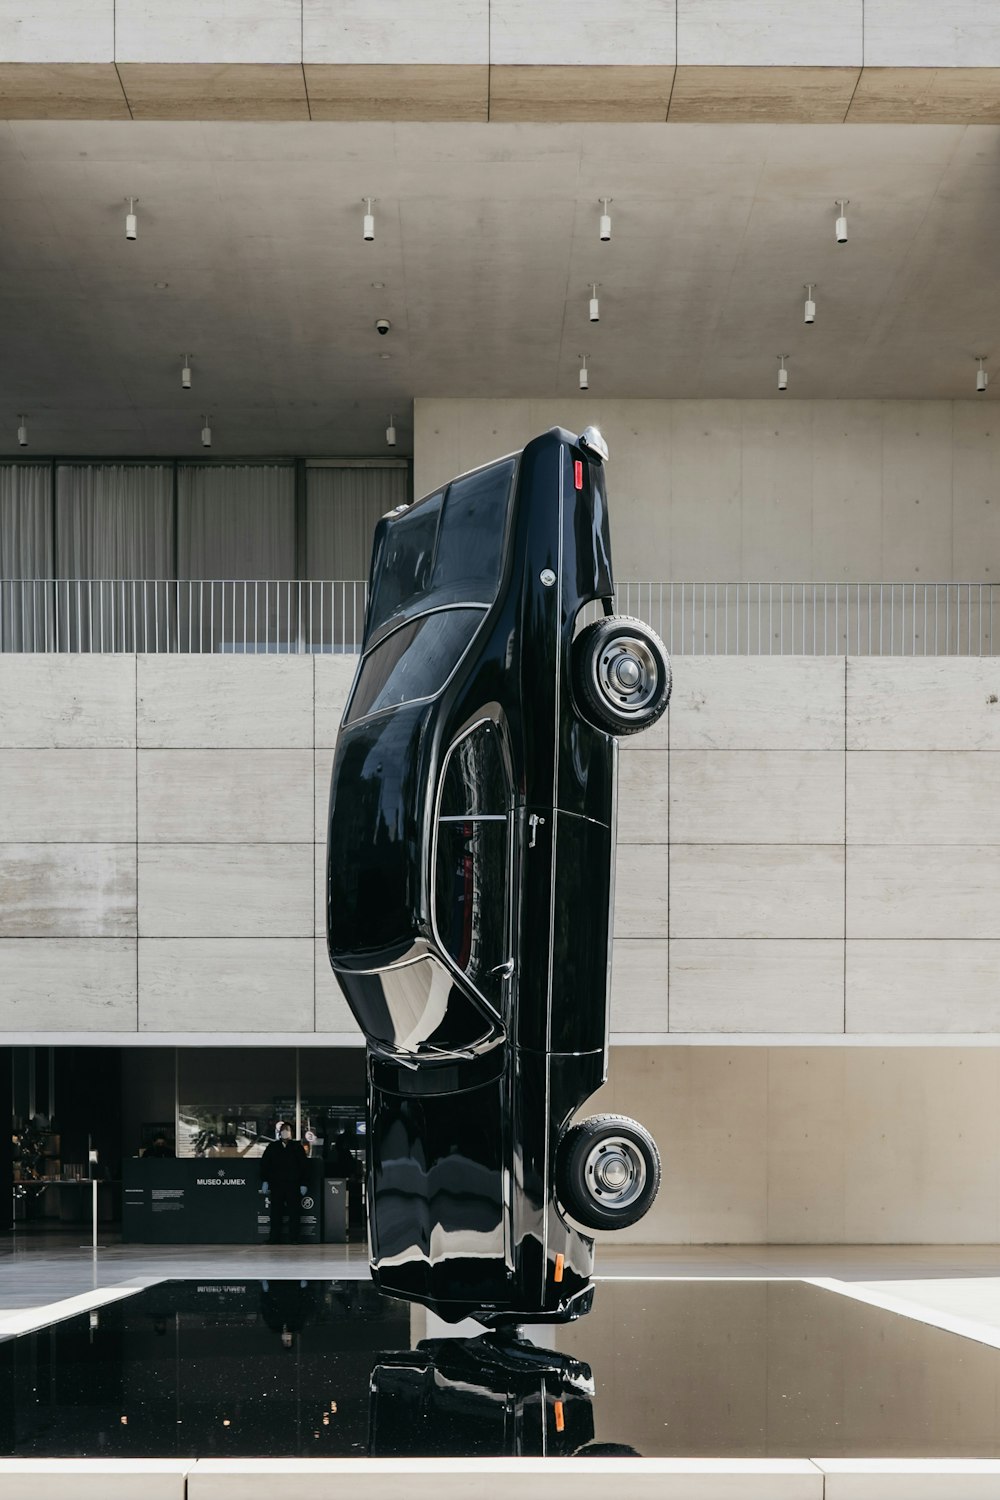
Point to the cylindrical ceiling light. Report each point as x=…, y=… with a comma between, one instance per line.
x=982, y=379
x=584, y=373
x=841, y=226
x=369, y=224
x=186, y=373
x=206, y=433
x=605, y=218
x=390, y=432
x=809, y=314
x=782, y=373
x=595, y=308
x=22, y=431
x=131, y=221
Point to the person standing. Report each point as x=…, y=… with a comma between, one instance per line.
x=283, y=1173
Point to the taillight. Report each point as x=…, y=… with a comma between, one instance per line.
x=578, y=473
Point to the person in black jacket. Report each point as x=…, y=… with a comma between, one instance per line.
x=283, y=1179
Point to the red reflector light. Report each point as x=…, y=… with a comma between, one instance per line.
x=578, y=473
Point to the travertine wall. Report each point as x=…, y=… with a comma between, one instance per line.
x=768, y=491
x=808, y=846
x=834, y=60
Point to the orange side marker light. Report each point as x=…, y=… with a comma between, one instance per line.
x=560, y=1419
x=558, y=1275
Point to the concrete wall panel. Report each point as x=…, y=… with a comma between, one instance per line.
x=224, y=796
x=578, y=33
x=67, y=890
x=226, y=984
x=333, y=1014
x=912, y=797
x=643, y=802
x=769, y=33
x=924, y=34
x=68, y=984
x=639, y=986
x=225, y=890
x=641, y=891
x=729, y=985
x=66, y=702
x=334, y=675
x=922, y=987
x=396, y=32
x=794, y=703
x=210, y=31
x=931, y=703
x=756, y=891
x=57, y=31
x=225, y=702
x=67, y=796
x=923, y=891
x=756, y=797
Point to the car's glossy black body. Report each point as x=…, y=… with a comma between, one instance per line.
x=471, y=1085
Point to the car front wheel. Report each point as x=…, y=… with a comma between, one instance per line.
x=607, y=1171
x=622, y=674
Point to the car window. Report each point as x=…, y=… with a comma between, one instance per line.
x=413, y=662
x=470, y=539
x=470, y=899
x=402, y=568
x=474, y=778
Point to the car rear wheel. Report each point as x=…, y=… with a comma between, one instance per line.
x=607, y=1171
x=622, y=674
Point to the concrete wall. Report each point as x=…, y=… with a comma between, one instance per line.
x=770, y=491
x=815, y=1145
x=753, y=60
x=807, y=847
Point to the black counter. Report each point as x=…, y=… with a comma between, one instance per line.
x=206, y=1201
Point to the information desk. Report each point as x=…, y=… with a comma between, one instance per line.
x=207, y=1201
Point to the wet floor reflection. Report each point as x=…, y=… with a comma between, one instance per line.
x=328, y=1369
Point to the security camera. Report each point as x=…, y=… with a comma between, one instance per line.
x=382, y=325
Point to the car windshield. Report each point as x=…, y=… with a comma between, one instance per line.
x=447, y=549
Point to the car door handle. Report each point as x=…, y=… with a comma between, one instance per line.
x=533, y=824
x=505, y=970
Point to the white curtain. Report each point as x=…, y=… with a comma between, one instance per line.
x=114, y=521
x=25, y=556
x=237, y=522
x=342, y=508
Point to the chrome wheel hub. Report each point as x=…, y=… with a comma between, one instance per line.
x=615, y=1172
x=627, y=674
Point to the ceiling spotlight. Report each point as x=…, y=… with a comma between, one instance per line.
x=206, y=433
x=842, y=221
x=605, y=218
x=584, y=373
x=369, y=228
x=810, y=307
x=186, y=373
x=390, y=432
x=782, y=373
x=22, y=431
x=982, y=379
x=595, y=310
x=131, y=222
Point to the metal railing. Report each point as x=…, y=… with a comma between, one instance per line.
x=701, y=619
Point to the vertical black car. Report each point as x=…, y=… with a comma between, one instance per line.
x=470, y=884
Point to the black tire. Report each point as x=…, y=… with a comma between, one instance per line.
x=585, y=1156
x=621, y=643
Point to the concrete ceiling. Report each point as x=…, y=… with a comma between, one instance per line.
x=486, y=242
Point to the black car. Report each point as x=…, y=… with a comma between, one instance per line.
x=470, y=884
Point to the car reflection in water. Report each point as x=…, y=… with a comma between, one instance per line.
x=486, y=1397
